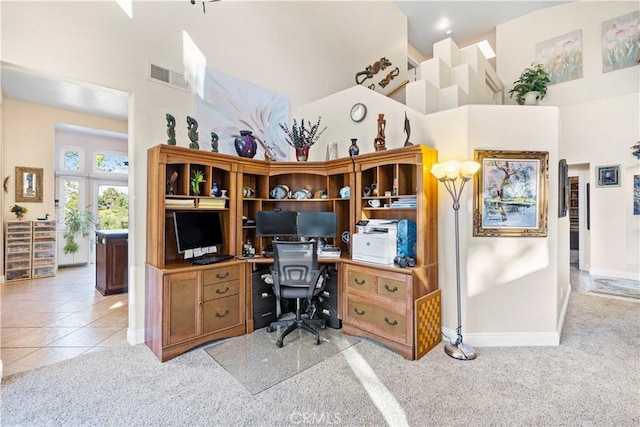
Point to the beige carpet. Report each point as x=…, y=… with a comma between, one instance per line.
x=590, y=379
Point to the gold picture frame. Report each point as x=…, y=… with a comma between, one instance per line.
x=511, y=193
x=29, y=184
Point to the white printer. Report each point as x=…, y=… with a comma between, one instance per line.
x=375, y=241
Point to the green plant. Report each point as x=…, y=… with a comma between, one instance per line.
x=197, y=177
x=77, y=223
x=19, y=210
x=532, y=79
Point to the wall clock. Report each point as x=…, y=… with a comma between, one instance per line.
x=358, y=112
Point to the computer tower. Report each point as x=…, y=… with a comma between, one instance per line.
x=264, y=301
x=327, y=301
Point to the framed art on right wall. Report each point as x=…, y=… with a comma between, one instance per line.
x=510, y=193
x=608, y=176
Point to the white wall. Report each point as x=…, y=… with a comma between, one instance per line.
x=600, y=121
x=304, y=50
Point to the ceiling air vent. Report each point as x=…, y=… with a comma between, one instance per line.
x=164, y=75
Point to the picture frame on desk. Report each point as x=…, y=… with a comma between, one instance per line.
x=28, y=184
x=510, y=193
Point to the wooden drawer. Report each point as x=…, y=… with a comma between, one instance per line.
x=392, y=287
x=380, y=320
x=221, y=290
x=220, y=313
x=360, y=281
x=221, y=274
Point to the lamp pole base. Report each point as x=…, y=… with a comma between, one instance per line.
x=460, y=351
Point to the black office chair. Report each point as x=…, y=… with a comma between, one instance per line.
x=296, y=275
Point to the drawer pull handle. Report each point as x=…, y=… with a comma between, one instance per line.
x=359, y=282
x=394, y=323
x=226, y=274
x=219, y=292
x=395, y=288
x=359, y=313
x=222, y=315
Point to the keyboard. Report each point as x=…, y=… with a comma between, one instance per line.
x=211, y=259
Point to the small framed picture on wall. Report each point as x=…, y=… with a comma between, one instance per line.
x=608, y=176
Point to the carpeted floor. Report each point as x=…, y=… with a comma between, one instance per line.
x=590, y=379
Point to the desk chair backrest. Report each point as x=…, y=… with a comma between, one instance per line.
x=296, y=265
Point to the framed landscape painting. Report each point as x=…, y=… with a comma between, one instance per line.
x=511, y=193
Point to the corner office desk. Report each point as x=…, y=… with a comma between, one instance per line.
x=398, y=307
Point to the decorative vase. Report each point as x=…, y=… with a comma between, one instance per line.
x=354, y=150
x=245, y=144
x=302, y=154
x=531, y=98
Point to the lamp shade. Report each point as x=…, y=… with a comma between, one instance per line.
x=452, y=169
x=468, y=168
x=438, y=171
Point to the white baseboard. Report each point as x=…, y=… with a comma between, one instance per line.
x=563, y=312
x=615, y=274
x=135, y=337
x=507, y=339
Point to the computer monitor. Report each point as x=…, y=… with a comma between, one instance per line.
x=197, y=229
x=276, y=223
x=317, y=224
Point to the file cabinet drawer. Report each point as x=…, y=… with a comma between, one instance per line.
x=221, y=313
x=221, y=290
x=221, y=274
x=360, y=280
x=392, y=288
x=382, y=321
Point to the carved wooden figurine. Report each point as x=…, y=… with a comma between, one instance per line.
x=171, y=129
x=379, y=142
x=192, y=129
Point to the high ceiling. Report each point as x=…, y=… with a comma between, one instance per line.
x=467, y=20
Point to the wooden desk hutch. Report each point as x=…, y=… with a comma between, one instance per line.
x=189, y=305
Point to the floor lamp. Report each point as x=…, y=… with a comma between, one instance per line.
x=450, y=173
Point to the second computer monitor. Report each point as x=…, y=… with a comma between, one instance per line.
x=317, y=224
x=276, y=223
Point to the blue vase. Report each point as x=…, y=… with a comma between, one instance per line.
x=245, y=144
x=354, y=150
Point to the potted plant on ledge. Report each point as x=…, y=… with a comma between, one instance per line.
x=78, y=223
x=531, y=87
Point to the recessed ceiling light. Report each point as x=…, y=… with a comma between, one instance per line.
x=448, y=32
x=443, y=24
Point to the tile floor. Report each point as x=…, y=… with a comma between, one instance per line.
x=47, y=320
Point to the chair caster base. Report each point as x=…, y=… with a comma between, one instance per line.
x=270, y=328
x=279, y=343
x=317, y=341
